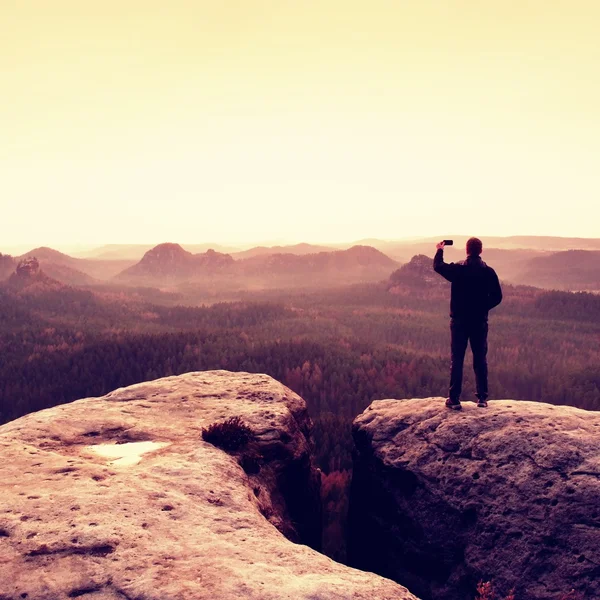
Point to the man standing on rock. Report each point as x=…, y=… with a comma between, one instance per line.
x=475, y=291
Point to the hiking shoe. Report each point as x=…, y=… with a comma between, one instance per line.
x=482, y=403
x=453, y=404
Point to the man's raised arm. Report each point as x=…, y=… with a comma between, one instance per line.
x=439, y=266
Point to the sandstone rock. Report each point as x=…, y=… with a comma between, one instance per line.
x=442, y=499
x=416, y=274
x=29, y=267
x=120, y=498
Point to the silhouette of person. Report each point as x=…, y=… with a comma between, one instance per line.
x=475, y=291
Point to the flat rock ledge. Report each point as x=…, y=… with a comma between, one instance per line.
x=511, y=494
x=119, y=498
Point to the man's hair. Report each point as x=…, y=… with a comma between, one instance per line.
x=474, y=246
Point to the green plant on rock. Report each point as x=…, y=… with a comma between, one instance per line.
x=232, y=434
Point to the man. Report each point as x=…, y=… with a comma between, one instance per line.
x=475, y=291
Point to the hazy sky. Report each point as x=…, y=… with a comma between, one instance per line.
x=297, y=120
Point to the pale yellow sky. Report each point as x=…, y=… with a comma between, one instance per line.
x=298, y=120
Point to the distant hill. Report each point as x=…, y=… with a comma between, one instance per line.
x=45, y=254
x=297, y=249
x=528, y=260
x=357, y=263
x=29, y=279
x=416, y=274
x=7, y=265
x=168, y=263
x=75, y=271
x=575, y=270
x=135, y=252
x=59, y=266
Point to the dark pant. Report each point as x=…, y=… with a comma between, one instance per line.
x=462, y=332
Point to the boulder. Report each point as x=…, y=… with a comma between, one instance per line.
x=441, y=499
x=119, y=497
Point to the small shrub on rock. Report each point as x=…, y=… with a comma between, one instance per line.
x=485, y=591
x=232, y=434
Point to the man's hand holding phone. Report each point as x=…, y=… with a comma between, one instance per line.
x=443, y=243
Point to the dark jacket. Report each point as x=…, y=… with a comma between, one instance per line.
x=475, y=286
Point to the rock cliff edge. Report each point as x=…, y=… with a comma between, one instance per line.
x=120, y=498
x=442, y=499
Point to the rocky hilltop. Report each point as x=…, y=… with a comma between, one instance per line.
x=29, y=279
x=120, y=497
x=441, y=499
x=59, y=266
x=172, y=263
x=418, y=273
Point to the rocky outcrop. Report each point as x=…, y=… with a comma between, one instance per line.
x=54, y=274
x=30, y=280
x=120, y=497
x=442, y=499
x=28, y=267
x=416, y=274
x=171, y=263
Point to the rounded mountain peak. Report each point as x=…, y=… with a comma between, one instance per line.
x=166, y=252
x=369, y=255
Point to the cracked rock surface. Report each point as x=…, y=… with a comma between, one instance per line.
x=511, y=494
x=119, y=498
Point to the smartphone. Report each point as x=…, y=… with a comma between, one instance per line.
x=448, y=242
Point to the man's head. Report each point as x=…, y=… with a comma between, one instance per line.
x=474, y=246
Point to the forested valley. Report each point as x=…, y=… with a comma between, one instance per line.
x=339, y=349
